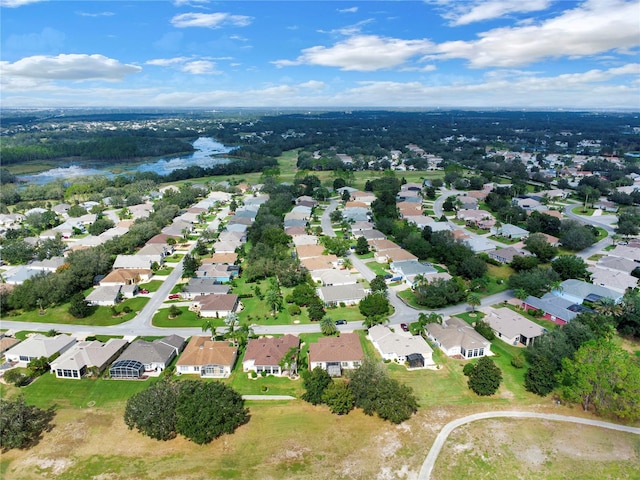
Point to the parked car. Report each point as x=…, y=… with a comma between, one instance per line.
x=341, y=322
x=174, y=296
x=404, y=327
x=143, y=291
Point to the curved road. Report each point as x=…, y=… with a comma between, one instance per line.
x=429, y=463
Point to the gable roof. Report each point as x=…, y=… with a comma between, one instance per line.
x=161, y=350
x=270, y=350
x=344, y=348
x=402, y=345
x=39, y=345
x=89, y=354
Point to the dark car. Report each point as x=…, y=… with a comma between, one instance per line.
x=404, y=327
x=341, y=322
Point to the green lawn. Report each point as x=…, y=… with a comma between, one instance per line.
x=101, y=317
x=48, y=390
x=187, y=318
x=164, y=271
x=151, y=286
x=175, y=258
x=378, y=268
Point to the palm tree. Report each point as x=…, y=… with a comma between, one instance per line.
x=474, y=300
x=347, y=263
x=327, y=327
x=273, y=297
x=607, y=306
x=209, y=326
x=290, y=361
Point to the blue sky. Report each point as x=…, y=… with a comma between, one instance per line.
x=421, y=54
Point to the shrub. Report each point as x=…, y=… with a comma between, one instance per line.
x=294, y=310
x=254, y=374
x=518, y=361
x=468, y=368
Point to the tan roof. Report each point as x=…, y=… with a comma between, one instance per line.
x=204, y=351
x=125, y=275
x=160, y=238
x=355, y=204
x=319, y=263
x=399, y=255
x=409, y=208
x=344, y=348
x=309, y=251
x=384, y=244
x=222, y=257
x=7, y=342
x=269, y=351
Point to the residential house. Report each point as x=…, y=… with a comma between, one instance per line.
x=626, y=251
x=220, y=257
x=606, y=206
x=126, y=276
x=333, y=277
x=136, y=262
x=468, y=203
x=527, y=203
x=295, y=231
x=7, y=342
x=473, y=217
x=617, y=263
x=509, y=231
x=215, y=305
x=356, y=214
x=226, y=246
x=160, y=251
x=37, y=346
x=365, y=197
x=359, y=226
x=579, y=291
x=207, y=358
x=419, y=221
x=556, y=309
x=17, y=275
x=511, y=327
x=203, y=286
x=506, y=255
x=105, y=296
x=411, y=269
x=323, y=262
x=456, y=338
x=335, y=354
x=161, y=238
x=347, y=294
x=309, y=251
x=613, y=279
x=85, y=356
x=397, y=346
x=142, y=356
x=299, y=240
x=218, y=272
x=479, y=244
x=394, y=255
x=265, y=354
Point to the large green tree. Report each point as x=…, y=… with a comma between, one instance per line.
x=603, y=376
x=338, y=398
x=207, y=410
x=570, y=266
x=485, y=377
x=315, y=382
x=20, y=424
x=153, y=411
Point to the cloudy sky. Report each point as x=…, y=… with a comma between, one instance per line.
x=432, y=53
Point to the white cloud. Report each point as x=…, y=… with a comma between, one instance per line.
x=166, y=62
x=210, y=20
x=586, y=90
x=463, y=13
x=68, y=67
x=594, y=27
x=200, y=67
x=348, y=10
x=188, y=65
x=99, y=14
x=17, y=3
x=363, y=53
x=190, y=3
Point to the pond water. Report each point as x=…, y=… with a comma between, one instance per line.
x=205, y=147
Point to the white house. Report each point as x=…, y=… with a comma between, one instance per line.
x=82, y=356
x=38, y=346
x=335, y=354
x=207, y=358
x=397, y=346
x=456, y=338
x=511, y=327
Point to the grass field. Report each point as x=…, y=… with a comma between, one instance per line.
x=102, y=316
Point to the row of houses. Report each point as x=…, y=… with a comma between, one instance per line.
x=201, y=356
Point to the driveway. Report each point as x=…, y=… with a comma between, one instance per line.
x=429, y=463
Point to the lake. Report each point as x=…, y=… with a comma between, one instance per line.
x=205, y=147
